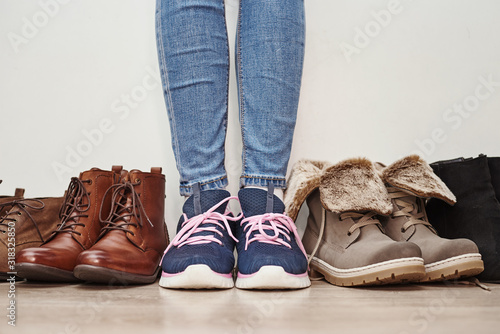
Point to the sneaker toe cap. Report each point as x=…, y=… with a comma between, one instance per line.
x=293, y=262
x=176, y=260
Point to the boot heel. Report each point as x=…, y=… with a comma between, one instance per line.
x=315, y=275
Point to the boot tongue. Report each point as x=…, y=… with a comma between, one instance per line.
x=124, y=216
x=411, y=199
x=259, y=201
x=203, y=201
x=124, y=176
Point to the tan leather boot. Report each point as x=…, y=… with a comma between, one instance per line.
x=132, y=242
x=5, y=201
x=79, y=228
x=344, y=238
x=409, y=181
x=28, y=224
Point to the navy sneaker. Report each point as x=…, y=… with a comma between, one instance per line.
x=201, y=254
x=270, y=252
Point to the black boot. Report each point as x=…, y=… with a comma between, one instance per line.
x=494, y=164
x=476, y=215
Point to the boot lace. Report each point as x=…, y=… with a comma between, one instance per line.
x=73, y=206
x=406, y=207
x=122, y=211
x=360, y=219
x=20, y=206
x=279, y=224
x=206, y=222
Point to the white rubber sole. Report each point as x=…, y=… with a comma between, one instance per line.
x=272, y=277
x=456, y=267
x=388, y=272
x=197, y=276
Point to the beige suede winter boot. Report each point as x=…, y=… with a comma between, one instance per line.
x=344, y=239
x=409, y=181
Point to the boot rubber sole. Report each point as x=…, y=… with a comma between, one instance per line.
x=102, y=275
x=197, y=276
x=403, y=270
x=40, y=272
x=456, y=267
x=272, y=277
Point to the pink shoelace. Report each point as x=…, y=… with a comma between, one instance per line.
x=279, y=223
x=194, y=225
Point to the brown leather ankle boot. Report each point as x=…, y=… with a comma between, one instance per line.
x=5, y=201
x=132, y=242
x=28, y=224
x=79, y=228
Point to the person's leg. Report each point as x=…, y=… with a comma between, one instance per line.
x=194, y=60
x=269, y=59
x=194, y=63
x=270, y=52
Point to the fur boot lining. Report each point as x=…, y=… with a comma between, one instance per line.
x=304, y=179
x=354, y=185
x=414, y=175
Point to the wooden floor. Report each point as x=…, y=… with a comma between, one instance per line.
x=323, y=308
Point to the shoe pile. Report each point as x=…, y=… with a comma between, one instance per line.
x=368, y=224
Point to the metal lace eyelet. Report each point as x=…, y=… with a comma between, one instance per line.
x=403, y=230
x=349, y=234
x=138, y=181
x=19, y=213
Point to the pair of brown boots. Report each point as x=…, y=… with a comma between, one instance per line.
x=111, y=231
x=367, y=223
x=24, y=222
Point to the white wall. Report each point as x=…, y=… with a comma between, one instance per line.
x=76, y=68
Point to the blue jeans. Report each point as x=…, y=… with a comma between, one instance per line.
x=194, y=63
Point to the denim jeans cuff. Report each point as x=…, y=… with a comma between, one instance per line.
x=186, y=189
x=262, y=181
